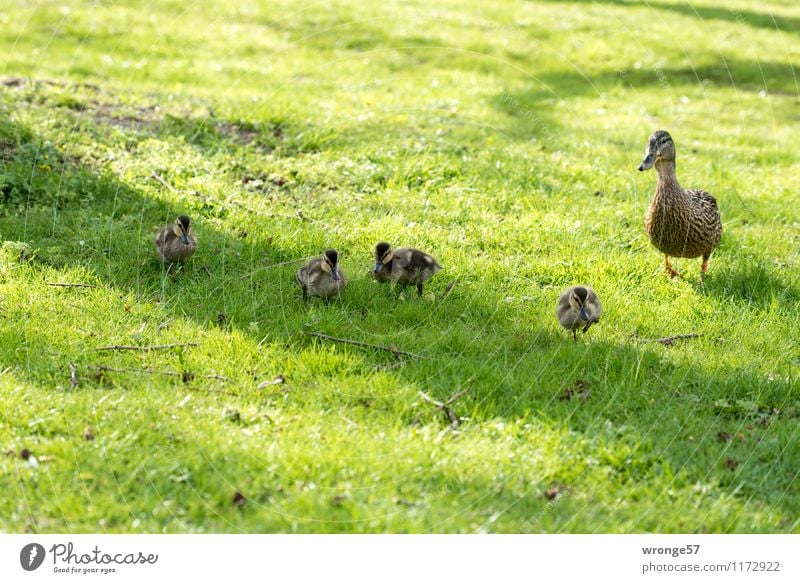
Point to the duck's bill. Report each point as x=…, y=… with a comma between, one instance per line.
x=378, y=266
x=335, y=274
x=584, y=314
x=648, y=162
x=185, y=239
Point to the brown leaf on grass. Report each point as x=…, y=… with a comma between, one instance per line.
x=239, y=499
x=25, y=453
x=723, y=437
x=88, y=434
x=187, y=377
x=731, y=464
x=338, y=499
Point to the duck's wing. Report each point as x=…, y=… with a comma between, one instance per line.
x=708, y=212
x=162, y=236
x=703, y=200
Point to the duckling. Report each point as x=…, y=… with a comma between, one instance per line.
x=321, y=276
x=680, y=223
x=176, y=242
x=405, y=266
x=578, y=306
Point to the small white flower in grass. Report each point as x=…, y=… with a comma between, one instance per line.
x=81, y=243
x=685, y=99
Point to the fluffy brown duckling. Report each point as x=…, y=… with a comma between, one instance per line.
x=176, y=242
x=405, y=266
x=578, y=307
x=321, y=276
x=680, y=223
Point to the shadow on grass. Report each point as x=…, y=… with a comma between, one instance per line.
x=751, y=18
x=51, y=199
x=754, y=76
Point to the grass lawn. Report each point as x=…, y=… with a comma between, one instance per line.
x=503, y=138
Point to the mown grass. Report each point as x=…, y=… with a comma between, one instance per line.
x=503, y=138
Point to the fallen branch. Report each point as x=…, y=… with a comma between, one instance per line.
x=162, y=182
x=166, y=373
x=445, y=406
x=146, y=348
x=54, y=284
x=669, y=340
x=398, y=353
x=350, y=422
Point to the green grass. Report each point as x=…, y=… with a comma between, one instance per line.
x=502, y=138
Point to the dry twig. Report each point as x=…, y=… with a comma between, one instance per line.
x=145, y=348
x=167, y=373
x=162, y=182
x=394, y=350
x=445, y=406
x=350, y=422
x=55, y=284
x=669, y=340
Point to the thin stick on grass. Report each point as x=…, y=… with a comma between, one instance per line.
x=350, y=422
x=397, y=352
x=145, y=348
x=166, y=373
x=162, y=182
x=445, y=406
x=56, y=284
x=669, y=340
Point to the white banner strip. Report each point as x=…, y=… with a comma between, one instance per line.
x=401, y=558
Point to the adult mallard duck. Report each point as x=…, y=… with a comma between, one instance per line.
x=680, y=223
x=578, y=307
x=321, y=276
x=176, y=242
x=405, y=266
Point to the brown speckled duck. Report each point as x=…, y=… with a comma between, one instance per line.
x=321, y=276
x=176, y=242
x=405, y=266
x=680, y=223
x=578, y=307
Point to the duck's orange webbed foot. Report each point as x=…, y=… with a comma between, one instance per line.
x=670, y=270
